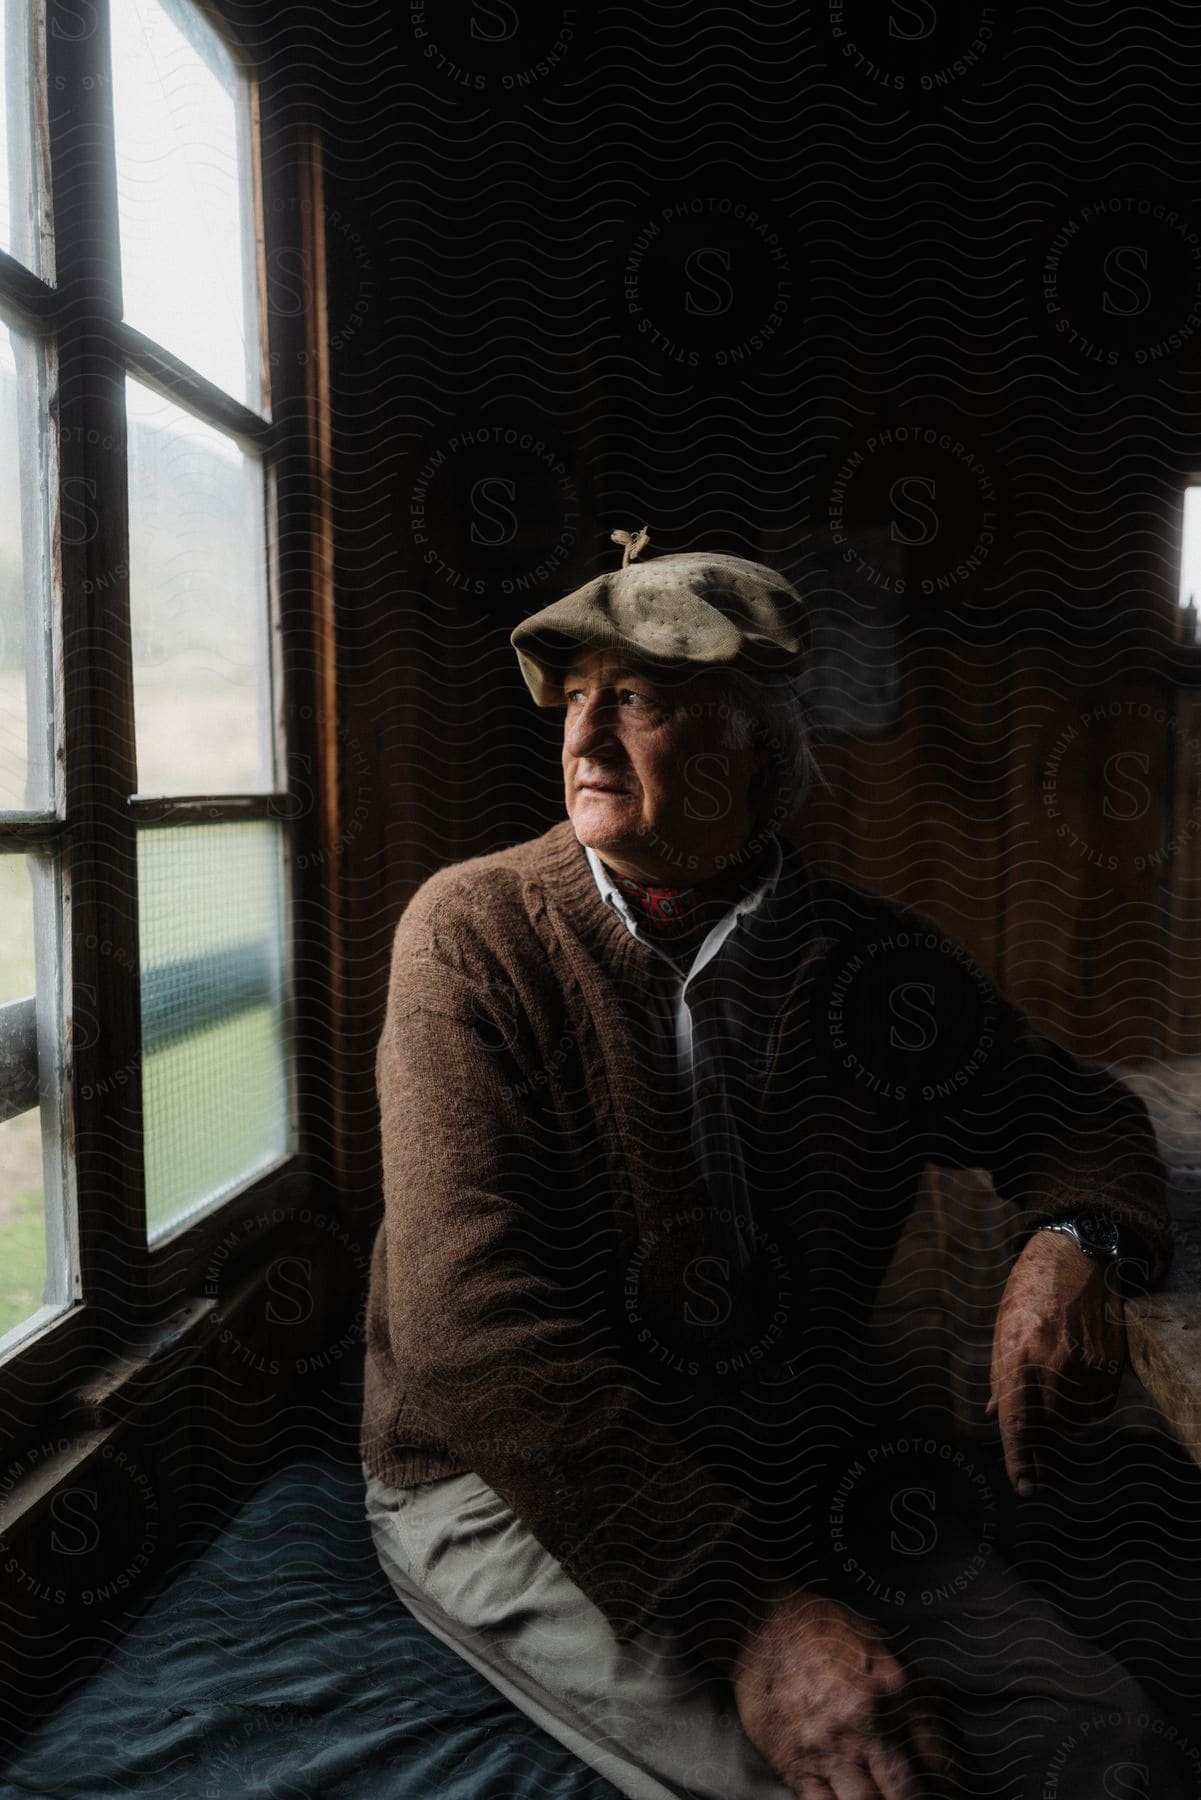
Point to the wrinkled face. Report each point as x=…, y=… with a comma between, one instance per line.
x=647, y=782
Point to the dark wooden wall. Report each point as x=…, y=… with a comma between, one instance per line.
x=1042, y=804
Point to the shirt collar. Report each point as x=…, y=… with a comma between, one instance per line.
x=748, y=903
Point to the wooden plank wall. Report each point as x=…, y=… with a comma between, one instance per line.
x=1046, y=809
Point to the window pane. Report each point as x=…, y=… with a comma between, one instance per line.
x=26, y=762
x=1190, y=564
x=184, y=192
x=198, y=603
x=213, y=944
x=35, y=1262
x=18, y=196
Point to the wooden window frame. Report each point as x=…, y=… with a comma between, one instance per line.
x=129, y=1289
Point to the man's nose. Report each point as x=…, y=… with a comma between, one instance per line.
x=591, y=723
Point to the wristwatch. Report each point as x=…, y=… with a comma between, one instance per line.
x=1096, y=1233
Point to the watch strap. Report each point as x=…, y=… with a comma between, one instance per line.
x=1097, y=1233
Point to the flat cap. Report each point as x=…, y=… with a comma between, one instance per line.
x=688, y=611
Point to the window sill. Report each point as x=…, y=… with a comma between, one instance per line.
x=96, y=1410
x=93, y=1412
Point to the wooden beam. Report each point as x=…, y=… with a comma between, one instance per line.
x=18, y=1057
x=219, y=809
x=24, y=299
x=174, y=378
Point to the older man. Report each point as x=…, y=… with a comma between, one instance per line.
x=655, y=1101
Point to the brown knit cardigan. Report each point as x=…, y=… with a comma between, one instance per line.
x=537, y=1308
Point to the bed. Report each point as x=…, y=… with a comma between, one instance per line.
x=280, y=1664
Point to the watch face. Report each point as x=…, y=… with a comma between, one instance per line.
x=1098, y=1234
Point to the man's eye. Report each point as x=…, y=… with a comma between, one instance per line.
x=622, y=693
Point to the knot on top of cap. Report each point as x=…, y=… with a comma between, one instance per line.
x=634, y=541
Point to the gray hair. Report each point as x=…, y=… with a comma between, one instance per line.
x=772, y=713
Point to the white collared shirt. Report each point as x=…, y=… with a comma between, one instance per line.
x=613, y=896
x=732, y=1030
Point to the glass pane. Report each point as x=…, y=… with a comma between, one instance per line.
x=186, y=217
x=11, y=13
x=26, y=762
x=34, y=1261
x=213, y=946
x=18, y=196
x=198, y=603
x=1190, y=564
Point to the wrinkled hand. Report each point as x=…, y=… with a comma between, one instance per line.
x=825, y=1702
x=1059, y=1349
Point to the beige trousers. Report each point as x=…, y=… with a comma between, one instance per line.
x=1038, y=1715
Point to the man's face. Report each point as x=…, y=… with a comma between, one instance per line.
x=647, y=784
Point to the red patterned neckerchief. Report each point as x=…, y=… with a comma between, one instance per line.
x=671, y=912
x=684, y=916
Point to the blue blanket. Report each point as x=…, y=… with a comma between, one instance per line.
x=280, y=1664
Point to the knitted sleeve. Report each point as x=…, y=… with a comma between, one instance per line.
x=503, y=1352
x=1058, y=1136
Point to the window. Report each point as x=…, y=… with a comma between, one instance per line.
x=150, y=812
x=1190, y=565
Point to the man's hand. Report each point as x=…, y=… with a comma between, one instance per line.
x=827, y=1705
x=1058, y=1349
